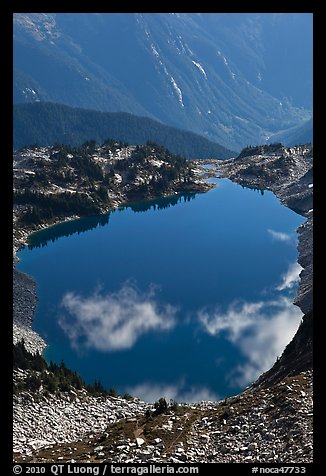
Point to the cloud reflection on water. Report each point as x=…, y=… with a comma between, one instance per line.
x=260, y=330
x=114, y=321
x=151, y=392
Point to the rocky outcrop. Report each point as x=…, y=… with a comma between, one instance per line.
x=32, y=340
x=273, y=425
x=288, y=173
x=24, y=303
x=41, y=420
x=24, y=298
x=304, y=298
x=299, y=197
x=263, y=426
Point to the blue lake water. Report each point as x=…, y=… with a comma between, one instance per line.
x=187, y=297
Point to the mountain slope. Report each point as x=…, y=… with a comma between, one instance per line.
x=302, y=134
x=48, y=123
x=208, y=73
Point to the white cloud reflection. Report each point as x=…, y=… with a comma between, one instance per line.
x=280, y=236
x=113, y=321
x=291, y=277
x=151, y=392
x=260, y=330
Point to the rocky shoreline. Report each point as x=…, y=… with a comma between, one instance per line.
x=292, y=183
x=288, y=173
x=280, y=418
x=24, y=304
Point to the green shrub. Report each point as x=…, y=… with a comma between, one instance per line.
x=33, y=383
x=160, y=406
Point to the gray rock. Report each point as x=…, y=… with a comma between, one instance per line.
x=252, y=446
x=204, y=438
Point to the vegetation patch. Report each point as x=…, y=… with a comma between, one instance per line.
x=52, y=378
x=63, y=181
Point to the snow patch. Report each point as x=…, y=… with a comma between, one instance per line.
x=156, y=163
x=241, y=119
x=174, y=84
x=178, y=91
x=29, y=90
x=117, y=178
x=233, y=75
x=201, y=69
x=154, y=51
x=188, y=49
x=311, y=185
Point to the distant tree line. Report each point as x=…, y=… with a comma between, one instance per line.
x=260, y=149
x=47, y=123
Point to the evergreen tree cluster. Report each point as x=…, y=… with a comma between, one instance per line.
x=52, y=377
x=161, y=407
x=79, y=158
x=260, y=150
x=75, y=167
x=43, y=207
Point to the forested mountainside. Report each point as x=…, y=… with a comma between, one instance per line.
x=46, y=124
x=225, y=76
x=302, y=134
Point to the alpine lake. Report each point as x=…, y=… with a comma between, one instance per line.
x=187, y=297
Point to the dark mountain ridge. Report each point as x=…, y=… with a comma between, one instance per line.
x=46, y=124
